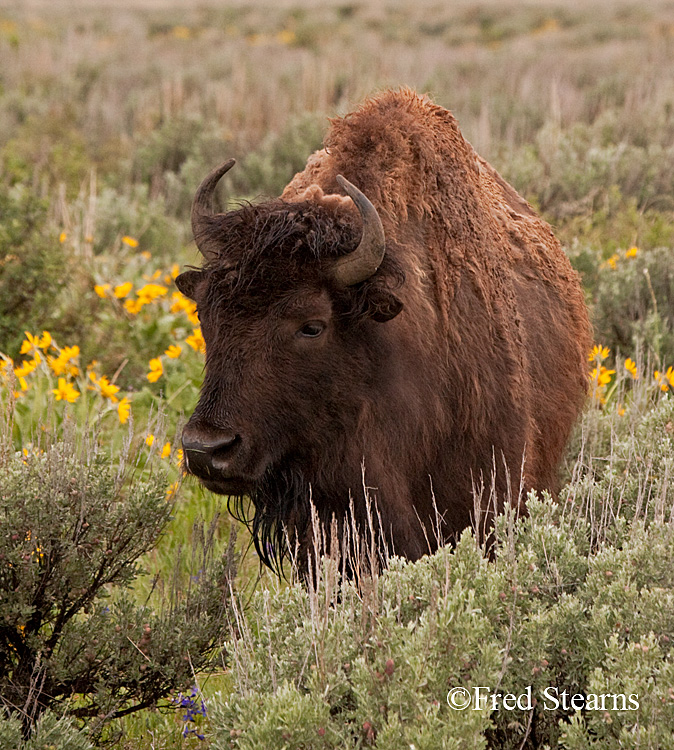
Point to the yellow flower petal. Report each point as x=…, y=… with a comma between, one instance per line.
x=196, y=341
x=133, y=306
x=156, y=370
x=123, y=410
x=631, y=367
x=122, y=290
x=108, y=390
x=66, y=391
x=130, y=241
x=45, y=341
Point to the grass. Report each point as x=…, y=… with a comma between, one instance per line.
x=109, y=118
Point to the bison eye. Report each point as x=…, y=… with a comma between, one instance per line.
x=311, y=330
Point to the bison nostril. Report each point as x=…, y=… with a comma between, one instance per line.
x=211, y=445
x=208, y=451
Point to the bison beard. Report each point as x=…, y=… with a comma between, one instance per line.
x=425, y=338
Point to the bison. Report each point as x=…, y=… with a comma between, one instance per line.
x=399, y=325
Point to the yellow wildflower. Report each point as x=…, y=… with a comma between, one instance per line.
x=133, y=306
x=179, y=456
x=27, y=344
x=57, y=364
x=66, y=391
x=660, y=380
x=123, y=410
x=101, y=290
x=149, y=439
x=156, y=370
x=196, y=341
x=26, y=367
x=173, y=351
x=23, y=384
x=107, y=389
x=669, y=376
x=612, y=262
x=70, y=352
x=130, y=241
x=61, y=364
x=604, y=376
x=600, y=378
x=621, y=410
x=151, y=291
x=63, y=237
x=45, y=341
x=166, y=450
x=631, y=253
x=122, y=290
x=171, y=491
x=182, y=304
x=631, y=367
x=36, y=342
x=599, y=351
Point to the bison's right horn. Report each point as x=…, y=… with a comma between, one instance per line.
x=202, y=209
x=367, y=257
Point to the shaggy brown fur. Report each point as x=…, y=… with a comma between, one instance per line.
x=483, y=370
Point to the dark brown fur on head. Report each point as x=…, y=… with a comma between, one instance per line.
x=272, y=255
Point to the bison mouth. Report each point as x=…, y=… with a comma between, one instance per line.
x=228, y=485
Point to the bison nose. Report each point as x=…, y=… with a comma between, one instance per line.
x=209, y=451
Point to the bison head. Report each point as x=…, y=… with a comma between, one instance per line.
x=291, y=299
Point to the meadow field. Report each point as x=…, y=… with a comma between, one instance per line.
x=133, y=610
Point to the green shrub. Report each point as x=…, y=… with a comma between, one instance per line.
x=335, y=667
x=574, y=170
x=33, y=268
x=633, y=305
x=268, y=169
x=73, y=525
x=50, y=733
x=47, y=147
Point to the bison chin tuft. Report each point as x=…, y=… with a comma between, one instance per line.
x=277, y=513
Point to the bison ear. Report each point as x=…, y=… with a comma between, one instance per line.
x=187, y=282
x=382, y=305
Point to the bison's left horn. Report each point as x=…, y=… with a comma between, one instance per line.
x=367, y=257
x=202, y=209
